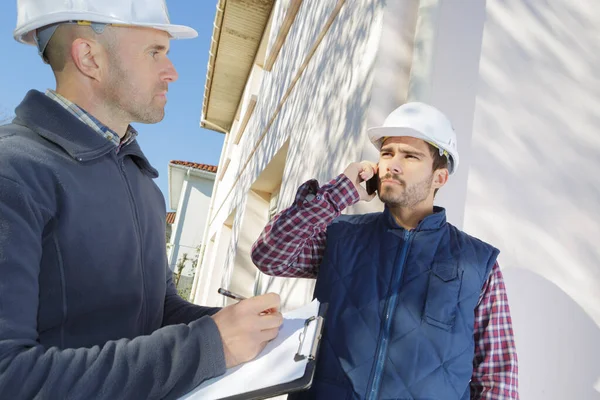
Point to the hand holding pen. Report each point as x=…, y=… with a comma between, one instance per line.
x=239, y=297
x=246, y=327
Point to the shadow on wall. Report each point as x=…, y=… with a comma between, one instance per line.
x=533, y=184
x=560, y=339
x=335, y=96
x=536, y=144
x=272, y=91
x=325, y=113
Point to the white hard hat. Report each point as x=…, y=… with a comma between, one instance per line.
x=35, y=14
x=423, y=122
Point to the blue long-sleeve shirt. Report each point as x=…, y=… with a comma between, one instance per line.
x=87, y=305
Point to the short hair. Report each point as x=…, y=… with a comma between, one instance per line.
x=439, y=161
x=58, y=50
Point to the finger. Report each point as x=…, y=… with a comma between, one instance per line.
x=364, y=167
x=366, y=174
x=264, y=302
x=270, y=321
x=363, y=193
x=268, y=311
x=366, y=196
x=268, y=335
x=353, y=171
x=368, y=165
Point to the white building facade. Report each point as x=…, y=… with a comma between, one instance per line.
x=190, y=190
x=294, y=84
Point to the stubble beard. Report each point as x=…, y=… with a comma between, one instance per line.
x=410, y=197
x=124, y=98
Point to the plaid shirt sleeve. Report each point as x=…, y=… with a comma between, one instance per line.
x=495, y=369
x=293, y=242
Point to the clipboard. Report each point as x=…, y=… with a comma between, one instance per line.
x=301, y=346
x=304, y=382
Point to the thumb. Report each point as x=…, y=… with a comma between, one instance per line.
x=364, y=196
x=369, y=197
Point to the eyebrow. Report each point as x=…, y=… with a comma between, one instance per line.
x=409, y=152
x=158, y=47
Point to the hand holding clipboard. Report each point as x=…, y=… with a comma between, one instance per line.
x=286, y=364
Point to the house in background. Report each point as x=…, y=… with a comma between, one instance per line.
x=190, y=191
x=294, y=84
x=170, y=220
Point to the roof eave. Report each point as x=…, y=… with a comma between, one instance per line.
x=228, y=66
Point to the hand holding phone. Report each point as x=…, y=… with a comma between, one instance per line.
x=359, y=172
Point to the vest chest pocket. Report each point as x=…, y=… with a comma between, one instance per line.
x=445, y=280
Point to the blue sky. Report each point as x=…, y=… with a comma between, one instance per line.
x=178, y=136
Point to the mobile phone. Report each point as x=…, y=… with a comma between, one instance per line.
x=373, y=184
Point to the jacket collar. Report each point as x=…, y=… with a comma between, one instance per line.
x=57, y=125
x=431, y=222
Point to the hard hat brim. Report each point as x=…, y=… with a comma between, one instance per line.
x=176, y=31
x=26, y=34
x=380, y=132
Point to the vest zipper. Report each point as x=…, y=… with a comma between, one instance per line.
x=390, y=307
x=136, y=221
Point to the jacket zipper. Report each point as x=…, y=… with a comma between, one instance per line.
x=136, y=221
x=390, y=307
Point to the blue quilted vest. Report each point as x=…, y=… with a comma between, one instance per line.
x=401, y=309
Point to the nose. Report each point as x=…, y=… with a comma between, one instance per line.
x=394, y=167
x=170, y=73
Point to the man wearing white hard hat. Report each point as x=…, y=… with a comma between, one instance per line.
x=417, y=308
x=88, y=309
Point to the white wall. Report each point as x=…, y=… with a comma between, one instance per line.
x=213, y=267
x=242, y=275
x=533, y=188
x=519, y=79
x=190, y=220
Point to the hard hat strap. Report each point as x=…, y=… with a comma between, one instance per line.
x=442, y=151
x=43, y=35
x=96, y=26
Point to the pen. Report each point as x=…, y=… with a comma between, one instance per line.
x=231, y=295
x=239, y=297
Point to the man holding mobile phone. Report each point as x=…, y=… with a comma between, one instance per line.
x=418, y=309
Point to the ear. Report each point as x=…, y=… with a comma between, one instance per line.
x=88, y=57
x=440, y=177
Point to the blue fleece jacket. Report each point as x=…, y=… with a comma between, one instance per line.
x=87, y=305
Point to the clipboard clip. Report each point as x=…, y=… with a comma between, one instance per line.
x=315, y=344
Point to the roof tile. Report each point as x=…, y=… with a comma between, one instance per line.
x=203, y=167
x=171, y=218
